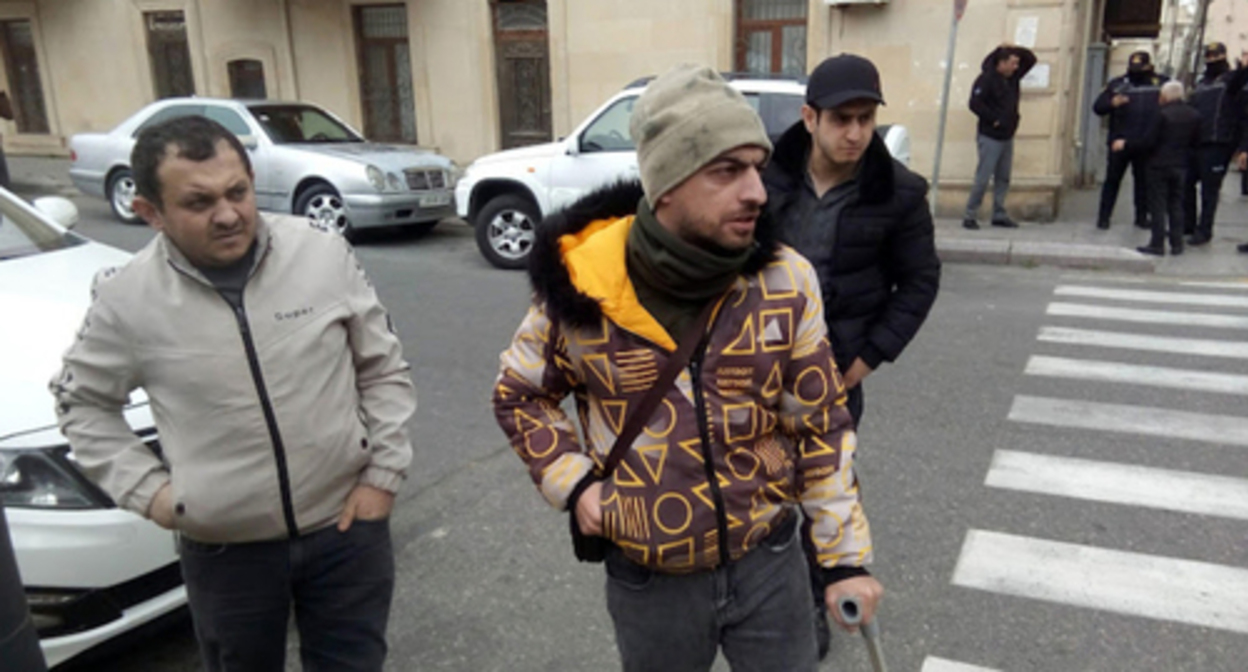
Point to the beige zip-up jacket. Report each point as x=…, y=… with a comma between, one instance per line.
x=268, y=419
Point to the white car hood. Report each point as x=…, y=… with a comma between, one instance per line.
x=43, y=299
x=541, y=151
x=386, y=157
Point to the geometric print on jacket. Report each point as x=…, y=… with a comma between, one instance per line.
x=773, y=403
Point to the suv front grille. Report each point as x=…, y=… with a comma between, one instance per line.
x=420, y=179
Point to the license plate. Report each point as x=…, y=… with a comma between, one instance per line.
x=435, y=200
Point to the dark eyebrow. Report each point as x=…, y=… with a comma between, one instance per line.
x=735, y=162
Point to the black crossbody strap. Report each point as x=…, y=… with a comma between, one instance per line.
x=641, y=415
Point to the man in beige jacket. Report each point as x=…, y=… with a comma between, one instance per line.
x=281, y=397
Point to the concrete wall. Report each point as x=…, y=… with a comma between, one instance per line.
x=908, y=39
x=599, y=46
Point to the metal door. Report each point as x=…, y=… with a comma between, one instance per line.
x=522, y=65
x=1092, y=127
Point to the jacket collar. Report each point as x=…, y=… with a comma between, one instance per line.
x=788, y=167
x=176, y=259
x=578, y=270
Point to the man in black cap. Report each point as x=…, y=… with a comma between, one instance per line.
x=1215, y=98
x=1131, y=102
x=862, y=220
x=994, y=99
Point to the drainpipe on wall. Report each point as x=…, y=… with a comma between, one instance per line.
x=290, y=51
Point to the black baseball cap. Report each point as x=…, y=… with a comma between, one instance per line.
x=1215, y=49
x=1139, y=62
x=841, y=79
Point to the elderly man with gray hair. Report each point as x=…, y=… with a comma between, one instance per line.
x=1169, y=143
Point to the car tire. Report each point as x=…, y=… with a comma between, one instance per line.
x=322, y=205
x=121, y=192
x=506, y=230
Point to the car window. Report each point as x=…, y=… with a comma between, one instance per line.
x=301, y=123
x=778, y=111
x=167, y=113
x=23, y=234
x=609, y=132
x=227, y=118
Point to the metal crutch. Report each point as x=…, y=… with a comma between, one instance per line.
x=851, y=614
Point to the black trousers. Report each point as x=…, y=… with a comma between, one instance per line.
x=1118, y=162
x=1208, y=167
x=1165, y=195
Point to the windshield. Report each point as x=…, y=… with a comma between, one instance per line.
x=23, y=234
x=301, y=123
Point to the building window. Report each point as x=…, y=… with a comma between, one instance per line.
x=385, y=67
x=1133, y=18
x=771, y=36
x=169, y=53
x=17, y=44
x=246, y=79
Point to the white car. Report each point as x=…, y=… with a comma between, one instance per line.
x=506, y=194
x=91, y=571
x=307, y=161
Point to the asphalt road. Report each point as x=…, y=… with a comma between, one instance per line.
x=1004, y=577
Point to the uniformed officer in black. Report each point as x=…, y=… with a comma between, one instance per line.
x=1130, y=101
x=1215, y=97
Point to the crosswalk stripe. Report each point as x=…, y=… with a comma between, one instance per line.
x=1167, y=589
x=1209, y=284
x=1080, y=414
x=1136, y=374
x=1129, y=484
x=934, y=664
x=1152, y=297
x=1113, y=339
x=1148, y=316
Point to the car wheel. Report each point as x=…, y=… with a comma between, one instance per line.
x=506, y=230
x=322, y=205
x=121, y=191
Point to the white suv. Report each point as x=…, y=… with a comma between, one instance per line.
x=505, y=195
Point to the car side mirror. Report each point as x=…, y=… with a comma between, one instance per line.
x=574, y=146
x=58, y=209
x=249, y=141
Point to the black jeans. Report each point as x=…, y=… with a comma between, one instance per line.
x=1165, y=195
x=1118, y=162
x=1209, y=169
x=340, y=584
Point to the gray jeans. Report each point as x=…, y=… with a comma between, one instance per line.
x=996, y=158
x=758, y=609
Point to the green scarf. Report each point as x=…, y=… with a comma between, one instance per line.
x=672, y=278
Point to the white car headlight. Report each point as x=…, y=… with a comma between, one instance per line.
x=456, y=173
x=376, y=177
x=44, y=478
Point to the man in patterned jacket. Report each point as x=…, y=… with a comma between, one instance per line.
x=701, y=512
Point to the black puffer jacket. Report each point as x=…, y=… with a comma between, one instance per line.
x=994, y=98
x=883, y=273
x=1215, y=97
x=1131, y=122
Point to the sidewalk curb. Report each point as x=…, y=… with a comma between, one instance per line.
x=1033, y=253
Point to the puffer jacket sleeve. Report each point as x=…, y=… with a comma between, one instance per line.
x=914, y=269
x=98, y=373
x=813, y=412
x=383, y=378
x=535, y=375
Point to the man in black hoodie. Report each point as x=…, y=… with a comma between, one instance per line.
x=1215, y=98
x=1130, y=101
x=994, y=99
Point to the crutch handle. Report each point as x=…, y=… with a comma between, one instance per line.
x=851, y=614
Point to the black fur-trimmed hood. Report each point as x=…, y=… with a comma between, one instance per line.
x=552, y=284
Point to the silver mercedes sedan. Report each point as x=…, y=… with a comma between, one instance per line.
x=306, y=160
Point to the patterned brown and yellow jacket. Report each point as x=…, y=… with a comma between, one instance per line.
x=764, y=403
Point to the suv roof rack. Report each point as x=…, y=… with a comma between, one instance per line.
x=731, y=76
